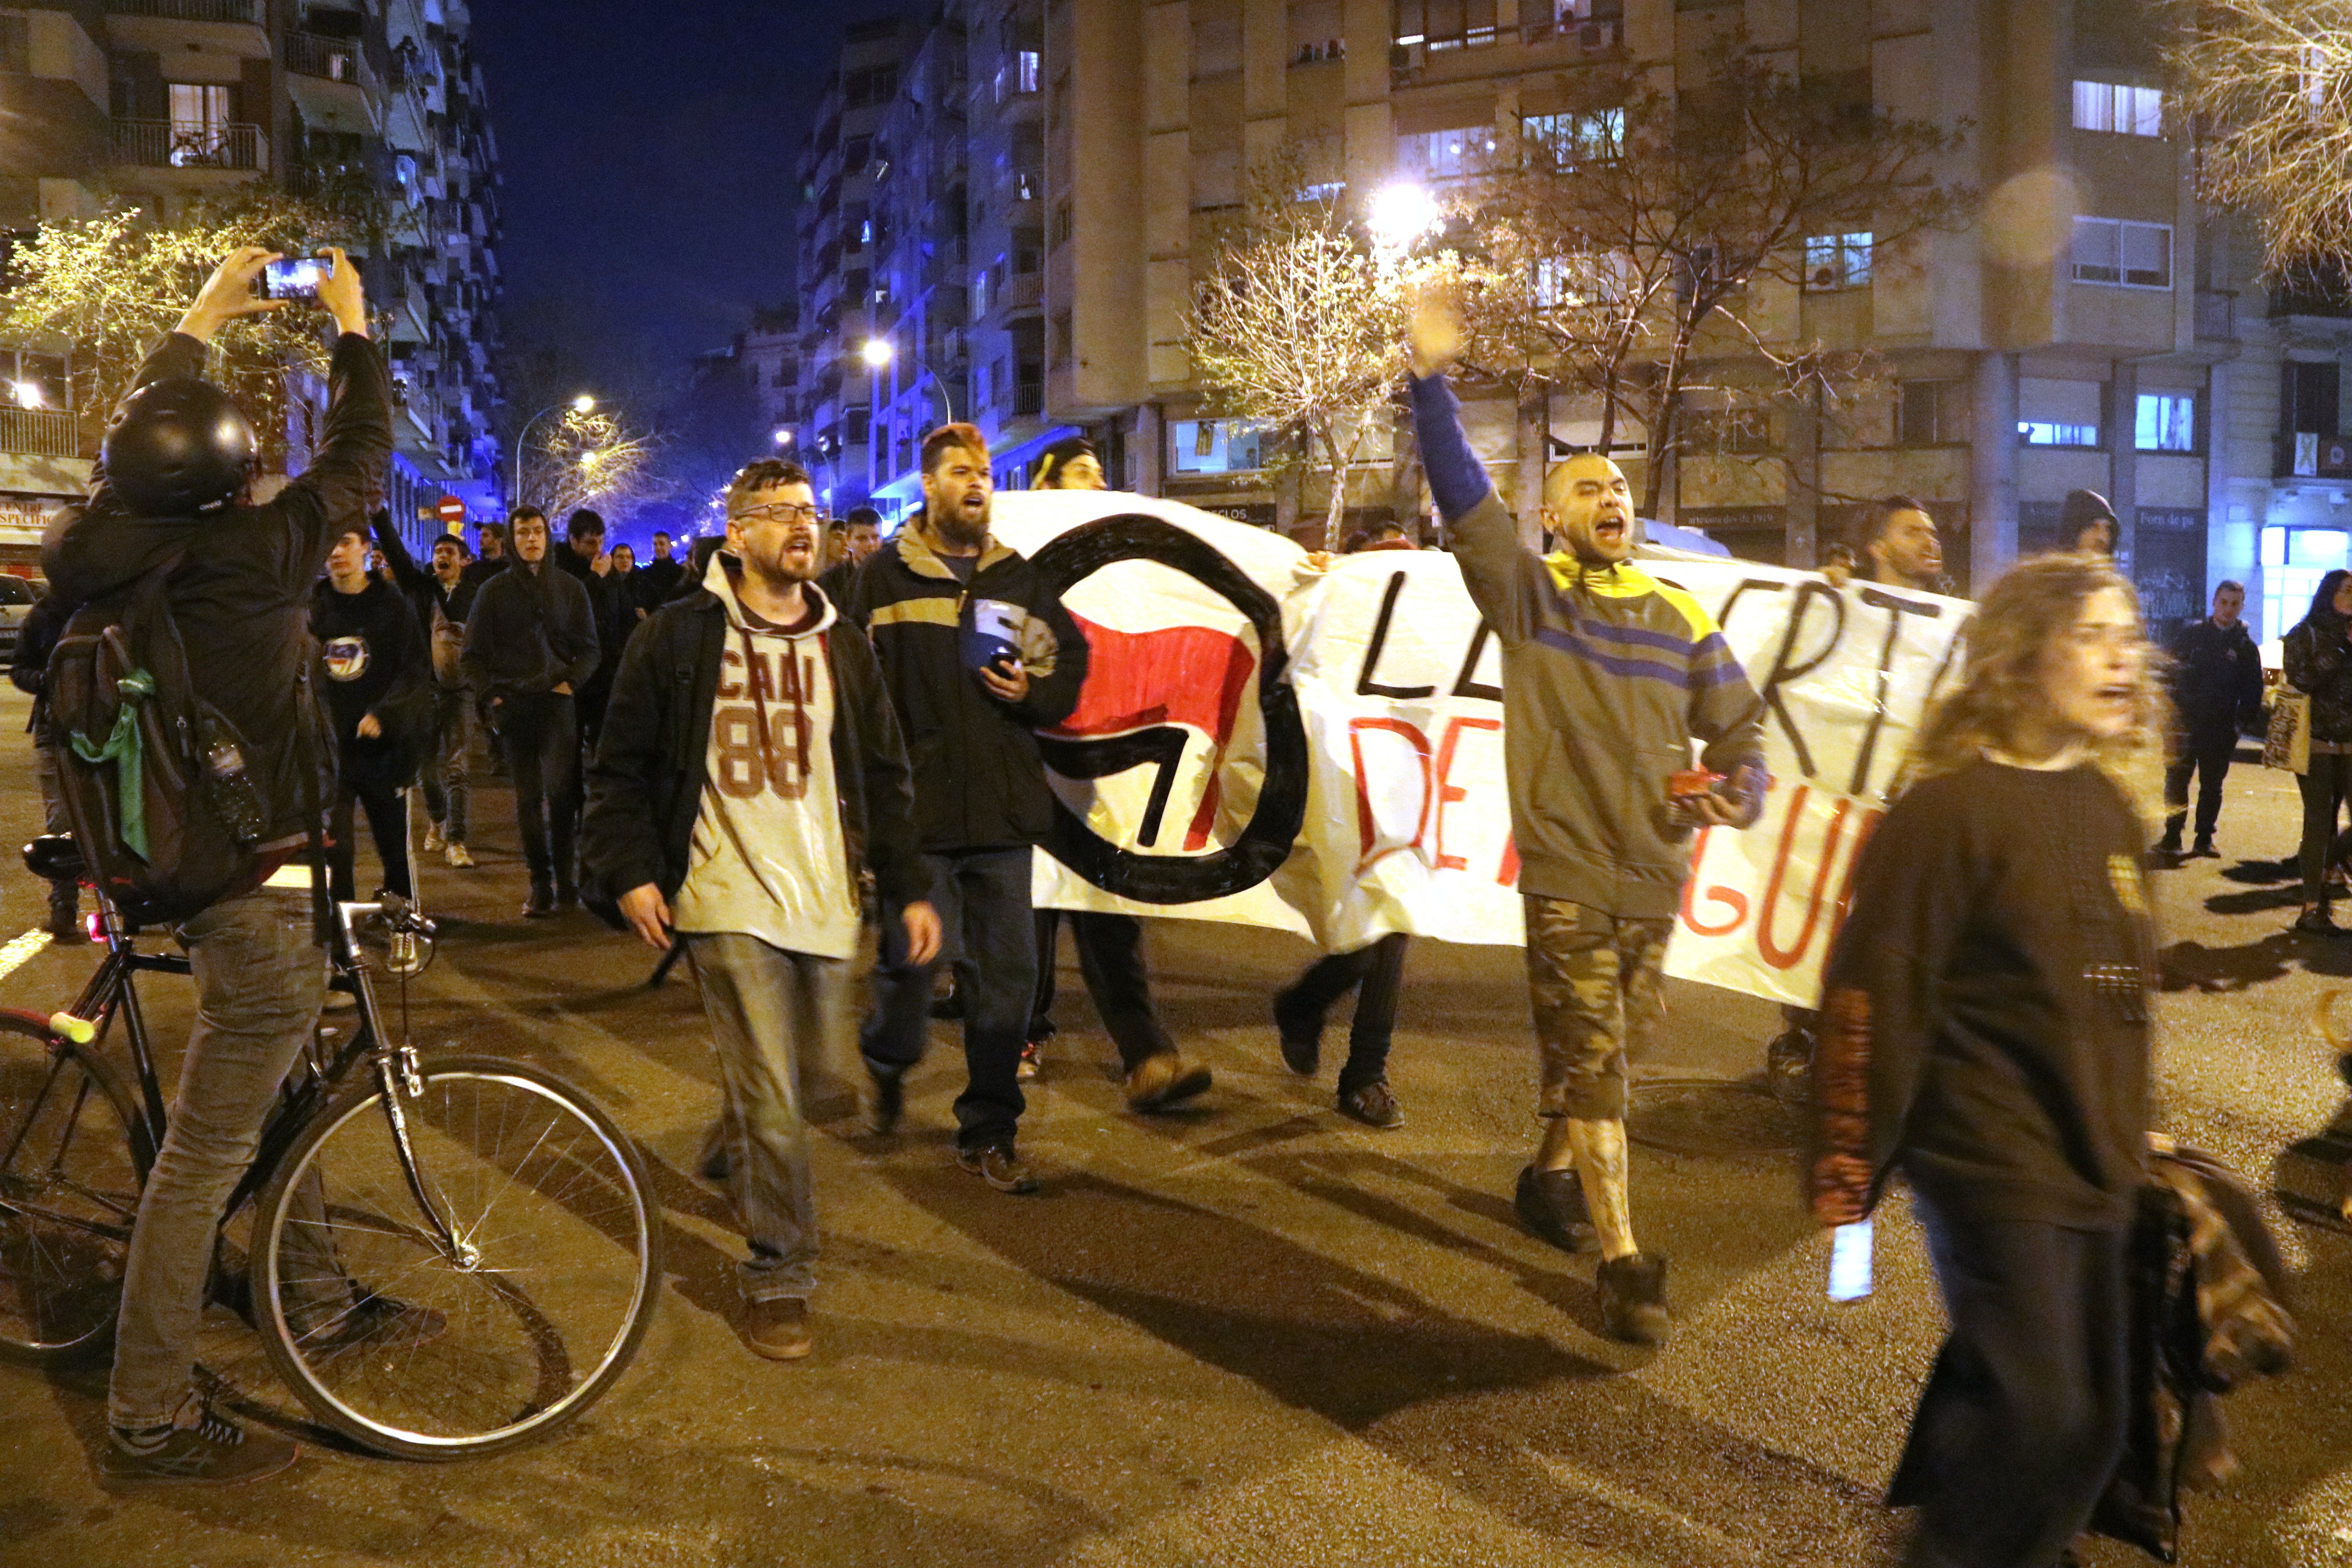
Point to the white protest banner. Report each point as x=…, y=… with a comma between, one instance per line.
x=1321, y=752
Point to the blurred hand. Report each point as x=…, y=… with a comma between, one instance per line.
x=647, y=913
x=228, y=294
x=922, y=932
x=603, y=565
x=1006, y=690
x=1437, y=329
x=370, y=728
x=340, y=292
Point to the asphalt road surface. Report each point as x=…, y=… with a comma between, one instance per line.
x=1255, y=1333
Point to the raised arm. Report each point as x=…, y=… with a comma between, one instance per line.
x=407, y=574
x=1499, y=572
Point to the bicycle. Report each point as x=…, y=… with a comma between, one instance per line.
x=483, y=1238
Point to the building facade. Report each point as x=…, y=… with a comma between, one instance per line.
x=155, y=103
x=2094, y=328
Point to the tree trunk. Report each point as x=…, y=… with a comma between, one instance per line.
x=1534, y=442
x=1335, y=516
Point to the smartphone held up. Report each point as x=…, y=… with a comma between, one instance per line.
x=294, y=279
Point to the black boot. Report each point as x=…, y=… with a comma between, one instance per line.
x=2170, y=843
x=541, y=902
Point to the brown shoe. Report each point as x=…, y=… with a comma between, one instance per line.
x=1164, y=1081
x=778, y=1330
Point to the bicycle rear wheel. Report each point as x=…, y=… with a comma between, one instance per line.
x=423, y=1351
x=70, y=1173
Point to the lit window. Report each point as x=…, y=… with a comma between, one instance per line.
x=2125, y=110
x=2117, y=252
x=1572, y=139
x=1447, y=154
x=1838, y=261
x=2167, y=423
x=2049, y=433
x=1212, y=447
x=1025, y=66
x=1573, y=282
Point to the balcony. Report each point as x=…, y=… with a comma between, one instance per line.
x=2306, y=455
x=40, y=432
x=2217, y=316
x=178, y=144
x=237, y=13
x=1028, y=399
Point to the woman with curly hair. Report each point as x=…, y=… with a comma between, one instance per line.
x=1986, y=1034
x=2318, y=659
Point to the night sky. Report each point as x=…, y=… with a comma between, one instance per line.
x=648, y=148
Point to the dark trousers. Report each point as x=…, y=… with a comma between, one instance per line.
x=982, y=898
x=2323, y=790
x=541, y=736
x=2208, y=757
x=1376, y=973
x=2024, y=1416
x=1110, y=960
x=388, y=814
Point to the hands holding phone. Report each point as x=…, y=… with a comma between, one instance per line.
x=233, y=292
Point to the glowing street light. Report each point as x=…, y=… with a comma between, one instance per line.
x=28, y=394
x=876, y=353
x=783, y=437
x=1399, y=215
x=584, y=403
x=879, y=351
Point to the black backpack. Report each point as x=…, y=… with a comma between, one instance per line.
x=167, y=814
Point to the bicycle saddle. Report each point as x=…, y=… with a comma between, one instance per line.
x=55, y=858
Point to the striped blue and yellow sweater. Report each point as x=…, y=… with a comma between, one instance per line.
x=1609, y=676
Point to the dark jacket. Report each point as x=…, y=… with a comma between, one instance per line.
x=530, y=631
x=660, y=582
x=423, y=591
x=478, y=572
x=978, y=783
x=36, y=638
x=645, y=781
x=242, y=595
x=2217, y=681
x=2319, y=662
x=607, y=601
x=375, y=662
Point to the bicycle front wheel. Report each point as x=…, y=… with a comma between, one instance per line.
x=70, y=1180
x=429, y=1348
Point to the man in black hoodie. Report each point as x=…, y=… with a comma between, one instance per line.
x=530, y=644
x=2217, y=688
x=379, y=694
x=240, y=594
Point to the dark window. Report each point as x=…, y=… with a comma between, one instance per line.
x=1931, y=414
x=2309, y=397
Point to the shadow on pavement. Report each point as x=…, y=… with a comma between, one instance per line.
x=2193, y=966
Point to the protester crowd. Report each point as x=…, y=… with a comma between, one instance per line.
x=758, y=753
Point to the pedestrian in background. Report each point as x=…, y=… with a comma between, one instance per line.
x=1986, y=1033
x=1375, y=973
x=2217, y=691
x=531, y=642
x=861, y=536
x=584, y=558
x=379, y=691
x=663, y=576
x=441, y=597
x=2088, y=523
x=751, y=771
x=2318, y=663
x=490, y=558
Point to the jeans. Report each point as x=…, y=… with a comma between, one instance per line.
x=2323, y=789
x=1111, y=958
x=772, y=1016
x=260, y=975
x=1379, y=968
x=2208, y=757
x=447, y=790
x=388, y=814
x=541, y=736
x=2024, y=1416
x=982, y=898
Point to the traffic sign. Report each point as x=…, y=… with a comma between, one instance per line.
x=453, y=512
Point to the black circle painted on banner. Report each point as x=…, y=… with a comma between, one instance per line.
x=1265, y=842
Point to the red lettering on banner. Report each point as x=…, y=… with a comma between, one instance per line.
x=1447, y=793
x=1507, y=874
x=1179, y=674
x=1731, y=899
x=1365, y=825
x=1773, y=953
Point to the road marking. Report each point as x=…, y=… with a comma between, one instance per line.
x=19, y=952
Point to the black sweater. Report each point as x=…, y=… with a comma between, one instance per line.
x=1986, y=1013
x=530, y=631
x=375, y=662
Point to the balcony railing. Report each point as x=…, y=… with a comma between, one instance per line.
x=40, y=432
x=2216, y=315
x=176, y=144
x=330, y=59
x=248, y=11
x=1028, y=399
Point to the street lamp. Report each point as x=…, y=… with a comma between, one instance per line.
x=1399, y=215
x=783, y=437
x=878, y=352
x=582, y=404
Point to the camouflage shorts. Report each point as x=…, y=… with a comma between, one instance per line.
x=1594, y=980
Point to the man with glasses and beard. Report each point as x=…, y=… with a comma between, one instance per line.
x=978, y=653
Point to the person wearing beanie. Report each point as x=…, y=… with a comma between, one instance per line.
x=2088, y=523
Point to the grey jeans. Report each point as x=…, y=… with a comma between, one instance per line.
x=773, y=1017
x=447, y=790
x=260, y=976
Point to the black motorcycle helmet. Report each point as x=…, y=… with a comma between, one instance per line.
x=176, y=447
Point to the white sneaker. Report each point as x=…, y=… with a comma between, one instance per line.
x=458, y=856
x=433, y=839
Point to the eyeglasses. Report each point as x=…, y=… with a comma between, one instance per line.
x=782, y=512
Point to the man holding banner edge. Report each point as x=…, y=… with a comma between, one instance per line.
x=1593, y=650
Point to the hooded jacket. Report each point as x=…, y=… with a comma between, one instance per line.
x=241, y=593
x=645, y=781
x=978, y=783
x=529, y=632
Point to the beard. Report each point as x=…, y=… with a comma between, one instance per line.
x=961, y=527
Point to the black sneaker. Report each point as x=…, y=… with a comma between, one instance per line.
x=885, y=1103
x=2169, y=844
x=1551, y=1203
x=1633, y=1299
x=1789, y=1067
x=1000, y=1167
x=2203, y=848
x=1302, y=1038
x=1373, y=1105
x=214, y=1451
x=2315, y=922
x=540, y=905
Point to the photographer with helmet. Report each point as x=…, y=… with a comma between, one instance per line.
x=167, y=496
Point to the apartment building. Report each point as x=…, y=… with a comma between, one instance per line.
x=2095, y=328
x=770, y=354
x=157, y=103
